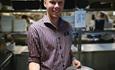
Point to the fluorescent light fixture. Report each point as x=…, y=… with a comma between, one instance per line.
x=113, y=13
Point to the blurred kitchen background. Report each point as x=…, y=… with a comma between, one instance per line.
x=94, y=48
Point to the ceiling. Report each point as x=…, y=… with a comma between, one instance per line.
x=69, y=4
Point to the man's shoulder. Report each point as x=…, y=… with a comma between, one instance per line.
x=37, y=23
x=66, y=24
x=36, y=26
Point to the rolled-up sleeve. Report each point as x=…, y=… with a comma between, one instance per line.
x=33, y=42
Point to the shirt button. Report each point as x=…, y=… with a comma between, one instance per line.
x=60, y=47
x=61, y=56
x=59, y=38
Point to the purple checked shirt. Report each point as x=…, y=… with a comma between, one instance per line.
x=50, y=46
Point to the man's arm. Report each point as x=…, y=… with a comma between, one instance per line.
x=75, y=62
x=34, y=66
x=33, y=42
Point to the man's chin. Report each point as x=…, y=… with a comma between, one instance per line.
x=55, y=16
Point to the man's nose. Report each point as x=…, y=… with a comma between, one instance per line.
x=56, y=5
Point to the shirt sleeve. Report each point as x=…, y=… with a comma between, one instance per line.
x=33, y=42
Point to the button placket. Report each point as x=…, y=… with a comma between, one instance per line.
x=61, y=54
x=59, y=43
x=59, y=47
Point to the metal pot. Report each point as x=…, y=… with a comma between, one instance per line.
x=82, y=68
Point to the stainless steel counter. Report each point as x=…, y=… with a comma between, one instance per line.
x=98, y=47
x=18, y=49
x=84, y=47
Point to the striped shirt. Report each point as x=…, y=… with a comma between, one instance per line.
x=50, y=46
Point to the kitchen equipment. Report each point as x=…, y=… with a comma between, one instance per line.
x=2, y=45
x=82, y=68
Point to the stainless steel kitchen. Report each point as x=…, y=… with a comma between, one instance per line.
x=93, y=38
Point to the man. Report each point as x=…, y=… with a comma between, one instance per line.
x=49, y=40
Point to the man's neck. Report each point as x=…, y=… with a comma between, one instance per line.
x=54, y=20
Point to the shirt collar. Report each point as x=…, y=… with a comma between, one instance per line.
x=50, y=25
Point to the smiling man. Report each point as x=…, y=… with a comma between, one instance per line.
x=49, y=40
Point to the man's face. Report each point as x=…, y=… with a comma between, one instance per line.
x=54, y=7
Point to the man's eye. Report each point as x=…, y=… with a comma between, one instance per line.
x=60, y=3
x=53, y=2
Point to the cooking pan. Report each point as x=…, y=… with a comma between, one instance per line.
x=82, y=68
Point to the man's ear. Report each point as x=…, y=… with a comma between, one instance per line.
x=44, y=3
